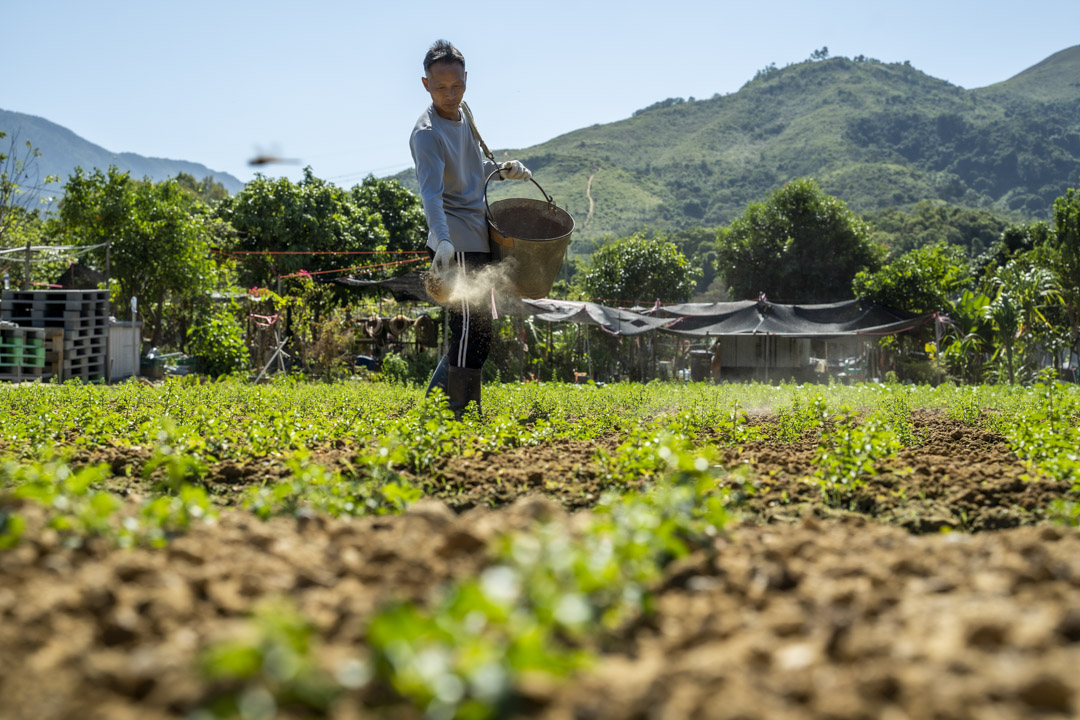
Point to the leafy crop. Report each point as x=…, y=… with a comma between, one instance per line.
x=793, y=421
x=271, y=667
x=848, y=455
x=78, y=511
x=1047, y=435
x=312, y=488
x=548, y=596
x=894, y=412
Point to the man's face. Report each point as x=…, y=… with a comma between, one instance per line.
x=445, y=82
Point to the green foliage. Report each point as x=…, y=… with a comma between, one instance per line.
x=1047, y=435
x=698, y=244
x=160, y=239
x=312, y=488
x=640, y=269
x=848, y=454
x=166, y=516
x=278, y=215
x=799, y=246
x=79, y=512
x=12, y=527
x=1022, y=291
x=967, y=410
x=923, y=280
x=400, y=209
x=1015, y=240
x=970, y=336
x=76, y=510
x=218, y=342
x=547, y=594
x=795, y=420
x=270, y=669
x=395, y=368
x=1066, y=512
x=207, y=191
x=1065, y=259
x=933, y=223
x=894, y=413
x=178, y=455
x=30, y=229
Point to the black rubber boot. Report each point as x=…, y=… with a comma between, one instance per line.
x=463, y=387
x=438, y=378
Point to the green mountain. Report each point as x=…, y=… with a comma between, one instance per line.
x=62, y=151
x=877, y=135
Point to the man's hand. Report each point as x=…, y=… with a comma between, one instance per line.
x=514, y=170
x=444, y=255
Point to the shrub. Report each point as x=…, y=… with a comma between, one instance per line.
x=218, y=342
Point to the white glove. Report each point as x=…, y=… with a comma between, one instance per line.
x=444, y=255
x=514, y=170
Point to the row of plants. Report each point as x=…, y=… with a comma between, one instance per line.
x=238, y=421
x=176, y=435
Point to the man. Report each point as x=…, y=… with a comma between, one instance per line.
x=452, y=171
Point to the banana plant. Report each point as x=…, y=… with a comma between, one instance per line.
x=1021, y=292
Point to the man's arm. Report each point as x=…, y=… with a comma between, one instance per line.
x=429, y=174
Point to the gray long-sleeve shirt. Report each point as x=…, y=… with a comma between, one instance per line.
x=451, y=171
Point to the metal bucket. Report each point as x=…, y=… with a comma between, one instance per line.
x=529, y=238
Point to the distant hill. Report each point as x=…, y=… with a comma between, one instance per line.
x=877, y=135
x=62, y=151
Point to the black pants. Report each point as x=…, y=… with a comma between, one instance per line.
x=470, y=318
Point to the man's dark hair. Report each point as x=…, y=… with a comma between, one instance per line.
x=443, y=51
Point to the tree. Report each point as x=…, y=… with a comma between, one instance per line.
x=698, y=244
x=920, y=281
x=931, y=222
x=1015, y=240
x=20, y=185
x=207, y=190
x=640, y=269
x=400, y=209
x=278, y=216
x=1065, y=259
x=800, y=245
x=160, y=238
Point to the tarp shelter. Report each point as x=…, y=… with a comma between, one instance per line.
x=748, y=317
x=613, y=320
x=831, y=321
x=403, y=287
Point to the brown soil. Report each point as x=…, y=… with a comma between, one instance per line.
x=802, y=610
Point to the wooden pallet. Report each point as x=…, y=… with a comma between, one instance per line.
x=73, y=327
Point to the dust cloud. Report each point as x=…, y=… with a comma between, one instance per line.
x=474, y=285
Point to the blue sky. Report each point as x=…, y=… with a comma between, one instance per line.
x=337, y=84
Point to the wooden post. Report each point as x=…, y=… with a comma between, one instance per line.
x=108, y=311
x=551, y=366
x=588, y=352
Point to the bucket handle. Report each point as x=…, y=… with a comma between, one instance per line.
x=487, y=207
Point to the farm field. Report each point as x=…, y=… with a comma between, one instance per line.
x=665, y=550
